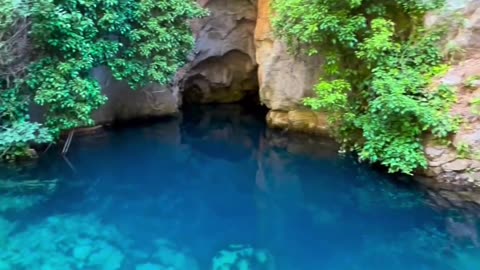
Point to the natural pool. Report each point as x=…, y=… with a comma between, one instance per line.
x=217, y=190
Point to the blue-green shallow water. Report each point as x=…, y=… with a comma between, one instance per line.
x=177, y=194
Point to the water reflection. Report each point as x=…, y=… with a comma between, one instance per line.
x=216, y=190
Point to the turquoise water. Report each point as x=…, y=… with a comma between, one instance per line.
x=217, y=190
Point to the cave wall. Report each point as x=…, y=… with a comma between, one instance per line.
x=223, y=68
x=236, y=55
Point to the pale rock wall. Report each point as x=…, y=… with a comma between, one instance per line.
x=126, y=104
x=285, y=80
x=223, y=68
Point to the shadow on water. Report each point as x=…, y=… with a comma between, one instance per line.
x=215, y=189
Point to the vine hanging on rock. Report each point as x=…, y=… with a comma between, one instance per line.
x=379, y=67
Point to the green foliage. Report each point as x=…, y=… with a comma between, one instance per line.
x=473, y=82
x=464, y=150
x=379, y=66
x=15, y=139
x=16, y=132
x=141, y=41
x=476, y=106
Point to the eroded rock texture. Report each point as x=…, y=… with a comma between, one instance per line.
x=285, y=80
x=459, y=163
x=126, y=104
x=223, y=68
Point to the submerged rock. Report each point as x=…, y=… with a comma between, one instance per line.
x=172, y=257
x=106, y=257
x=243, y=258
x=65, y=242
x=20, y=202
x=149, y=266
x=6, y=227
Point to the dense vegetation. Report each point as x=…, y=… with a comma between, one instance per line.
x=48, y=49
x=379, y=67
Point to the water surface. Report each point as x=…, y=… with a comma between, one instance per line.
x=217, y=190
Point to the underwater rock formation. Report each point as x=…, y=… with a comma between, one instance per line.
x=6, y=227
x=18, y=203
x=69, y=242
x=167, y=256
x=171, y=257
x=19, y=195
x=243, y=258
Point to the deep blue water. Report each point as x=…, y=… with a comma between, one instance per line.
x=174, y=193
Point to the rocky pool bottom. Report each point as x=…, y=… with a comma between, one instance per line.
x=217, y=190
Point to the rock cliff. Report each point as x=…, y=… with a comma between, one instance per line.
x=222, y=68
x=459, y=163
x=237, y=55
x=285, y=80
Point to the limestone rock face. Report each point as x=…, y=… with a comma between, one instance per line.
x=126, y=104
x=284, y=79
x=463, y=18
x=459, y=164
x=223, y=67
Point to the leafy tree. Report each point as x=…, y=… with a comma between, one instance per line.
x=379, y=67
x=16, y=131
x=141, y=41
